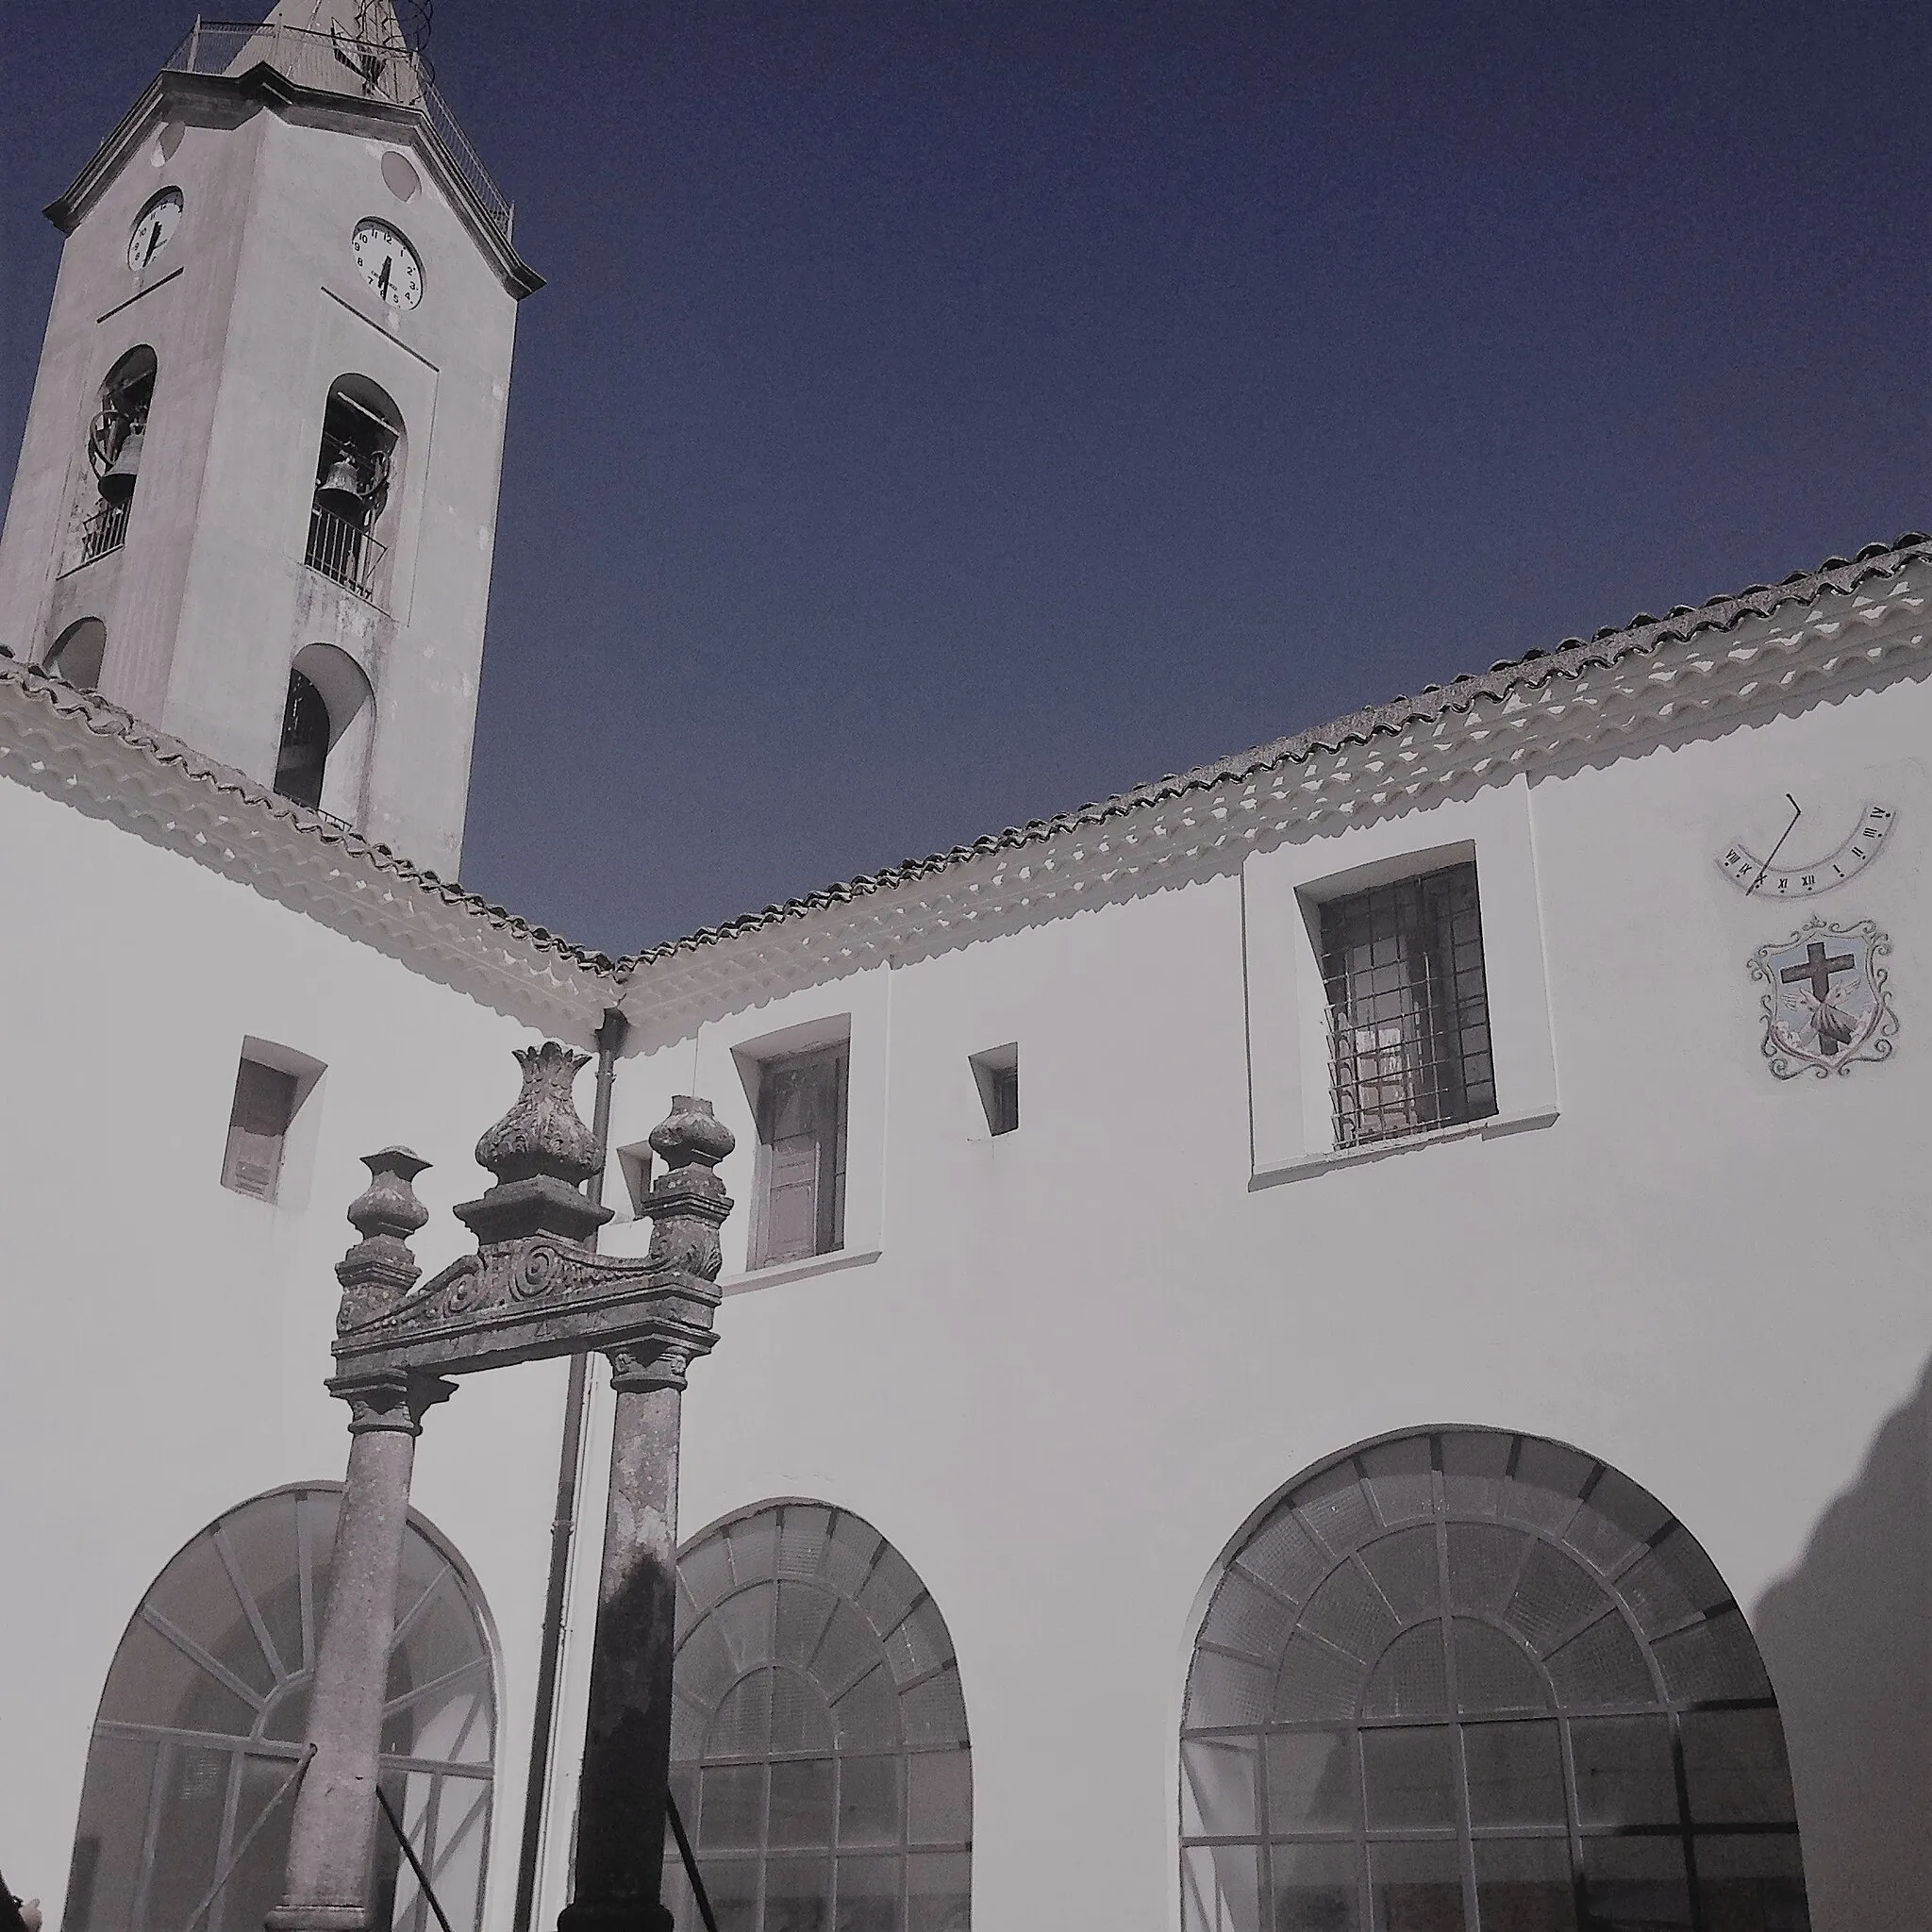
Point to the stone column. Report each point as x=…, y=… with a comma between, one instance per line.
x=627, y=1775
x=325, y=1888
x=619, y=1843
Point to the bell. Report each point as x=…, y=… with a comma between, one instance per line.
x=339, y=493
x=117, y=478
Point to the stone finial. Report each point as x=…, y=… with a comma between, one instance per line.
x=379, y=1270
x=687, y=1203
x=543, y=1133
x=692, y=1135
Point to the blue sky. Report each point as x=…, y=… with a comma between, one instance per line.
x=943, y=413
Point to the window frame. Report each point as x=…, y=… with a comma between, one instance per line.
x=1332, y=1532
x=832, y=1158
x=1292, y=1133
x=289, y=1186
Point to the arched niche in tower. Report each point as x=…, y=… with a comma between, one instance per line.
x=77, y=654
x=327, y=725
x=359, y=469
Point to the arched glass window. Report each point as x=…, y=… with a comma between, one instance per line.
x=206, y=1707
x=1466, y=1681
x=819, y=1751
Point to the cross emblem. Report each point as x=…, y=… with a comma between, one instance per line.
x=1817, y=969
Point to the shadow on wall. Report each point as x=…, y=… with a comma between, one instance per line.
x=1846, y=1640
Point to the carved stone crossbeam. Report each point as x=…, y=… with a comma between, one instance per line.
x=534, y=1287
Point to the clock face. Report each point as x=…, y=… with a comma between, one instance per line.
x=1774, y=876
x=388, y=264
x=152, y=228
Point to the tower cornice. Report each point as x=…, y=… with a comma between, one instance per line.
x=224, y=100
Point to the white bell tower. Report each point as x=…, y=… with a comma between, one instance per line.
x=257, y=496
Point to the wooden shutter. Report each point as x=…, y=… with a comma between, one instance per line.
x=802, y=1145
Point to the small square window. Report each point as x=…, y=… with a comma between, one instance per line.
x=259, y=1123
x=1408, y=1009
x=997, y=1076
x=801, y=1166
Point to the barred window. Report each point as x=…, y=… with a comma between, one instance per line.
x=820, y=1759
x=1408, y=1007
x=1465, y=1680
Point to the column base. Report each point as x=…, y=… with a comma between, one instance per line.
x=616, y=1915
x=312, y=1918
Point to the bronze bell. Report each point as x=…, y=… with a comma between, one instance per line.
x=119, y=477
x=340, y=491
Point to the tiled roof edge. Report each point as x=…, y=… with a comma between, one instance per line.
x=1535, y=671
x=107, y=719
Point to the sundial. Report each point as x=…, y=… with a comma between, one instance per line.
x=1786, y=865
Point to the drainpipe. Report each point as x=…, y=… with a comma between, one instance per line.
x=610, y=1036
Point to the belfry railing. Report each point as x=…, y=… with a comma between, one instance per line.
x=343, y=550
x=105, y=529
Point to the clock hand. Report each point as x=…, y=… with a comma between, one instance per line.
x=1797, y=812
x=154, y=241
x=382, y=286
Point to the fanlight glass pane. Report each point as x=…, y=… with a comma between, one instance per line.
x=199, y=1733
x=821, y=1731
x=1459, y=1673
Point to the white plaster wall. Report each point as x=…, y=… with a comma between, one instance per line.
x=1089, y=1351
x=1082, y=1354
x=165, y=1340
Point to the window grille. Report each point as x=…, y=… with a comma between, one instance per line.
x=819, y=1748
x=1466, y=1680
x=801, y=1185
x=259, y=1125
x=1408, y=1009
x=205, y=1714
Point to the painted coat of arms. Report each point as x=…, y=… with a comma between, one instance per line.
x=1827, y=1006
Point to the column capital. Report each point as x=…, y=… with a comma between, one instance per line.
x=394, y=1403
x=655, y=1363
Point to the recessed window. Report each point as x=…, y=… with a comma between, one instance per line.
x=1470, y=1669
x=270, y=1084
x=186, y=1810
x=1408, y=1007
x=996, y=1072
x=800, y=1181
x=819, y=1757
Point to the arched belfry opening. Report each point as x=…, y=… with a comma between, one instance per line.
x=115, y=437
x=327, y=720
x=79, y=653
x=1462, y=1679
x=356, y=467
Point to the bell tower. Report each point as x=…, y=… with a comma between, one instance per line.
x=257, y=495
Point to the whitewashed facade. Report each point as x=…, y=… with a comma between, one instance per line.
x=1063, y=1368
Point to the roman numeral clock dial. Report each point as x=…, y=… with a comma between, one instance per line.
x=1767, y=878
x=389, y=264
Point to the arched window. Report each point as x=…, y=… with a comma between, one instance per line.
x=79, y=653
x=355, y=468
x=203, y=1718
x=115, y=438
x=819, y=1747
x=1466, y=1681
x=326, y=722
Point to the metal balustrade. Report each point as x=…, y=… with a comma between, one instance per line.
x=343, y=550
x=332, y=63
x=103, y=531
